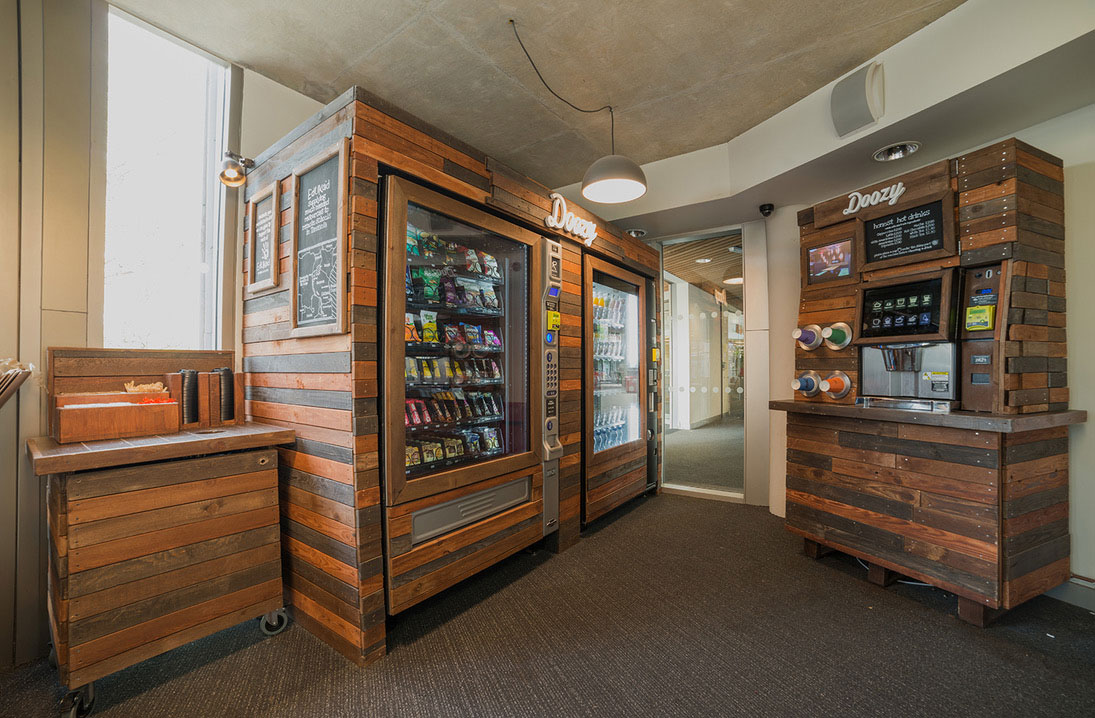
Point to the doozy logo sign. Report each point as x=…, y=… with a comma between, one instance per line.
x=858, y=201
x=562, y=218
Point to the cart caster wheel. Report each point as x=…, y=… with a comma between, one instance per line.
x=274, y=622
x=79, y=703
x=53, y=657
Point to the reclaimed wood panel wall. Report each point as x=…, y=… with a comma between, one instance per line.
x=149, y=557
x=1011, y=209
x=1035, y=534
x=327, y=390
x=920, y=500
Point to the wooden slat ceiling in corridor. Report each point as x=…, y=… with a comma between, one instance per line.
x=725, y=255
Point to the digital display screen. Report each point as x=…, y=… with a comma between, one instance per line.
x=553, y=291
x=829, y=262
x=902, y=309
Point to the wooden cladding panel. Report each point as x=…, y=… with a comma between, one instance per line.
x=147, y=557
x=1011, y=203
x=889, y=493
x=1035, y=514
x=324, y=389
x=825, y=306
x=416, y=572
x=981, y=514
x=570, y=397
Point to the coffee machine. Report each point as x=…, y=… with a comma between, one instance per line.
x=908, y=357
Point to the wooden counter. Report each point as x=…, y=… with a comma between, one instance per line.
x=157, y=541
x=981, y=512
x=1003, y=423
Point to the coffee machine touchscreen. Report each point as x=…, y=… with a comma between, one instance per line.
x=902, y=310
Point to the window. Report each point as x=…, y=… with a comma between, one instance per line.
x=166, y=126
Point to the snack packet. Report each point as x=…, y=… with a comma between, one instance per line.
x=490, y=265
x=471, y=262
x=410, y=329
x=429, y=326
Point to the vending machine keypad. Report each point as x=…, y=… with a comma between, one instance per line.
x=553, y=449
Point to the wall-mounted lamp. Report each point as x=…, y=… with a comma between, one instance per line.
x=234, y=169
x=613, y=178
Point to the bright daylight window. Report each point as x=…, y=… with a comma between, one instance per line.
x=166, y=110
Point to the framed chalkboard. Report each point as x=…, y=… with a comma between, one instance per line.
x=912, y=234
x=263, y=271
x=318, y=293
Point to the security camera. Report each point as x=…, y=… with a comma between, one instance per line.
x=767, y=209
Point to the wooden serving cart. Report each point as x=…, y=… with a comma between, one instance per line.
x=155, y=541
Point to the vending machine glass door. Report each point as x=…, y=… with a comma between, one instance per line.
x=461, y=376
x=617, y=399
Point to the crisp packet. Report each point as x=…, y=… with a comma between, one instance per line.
x=429, y=326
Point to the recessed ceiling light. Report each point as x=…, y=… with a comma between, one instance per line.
x=733, y=280
x=703, y=260
x=896, y=151
x=637, y=233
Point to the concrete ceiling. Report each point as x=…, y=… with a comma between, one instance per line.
x=682, y=76
x=1038, y=90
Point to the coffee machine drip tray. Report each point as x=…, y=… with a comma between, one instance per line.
x=886, y=402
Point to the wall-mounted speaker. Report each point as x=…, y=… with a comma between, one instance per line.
x=859, y=99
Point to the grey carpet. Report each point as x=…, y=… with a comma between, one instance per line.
x=672, y=606
x=710, y=457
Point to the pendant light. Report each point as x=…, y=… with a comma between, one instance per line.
x=613, y=178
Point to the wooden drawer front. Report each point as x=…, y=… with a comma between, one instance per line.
x=416, y=572
x=158, y=555
x=612, y=483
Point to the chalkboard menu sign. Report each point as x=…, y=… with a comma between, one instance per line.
x=913, y=234
x=263, y=247
x=319, y=246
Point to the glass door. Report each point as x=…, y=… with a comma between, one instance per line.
x=460, y=375
x=615, y=381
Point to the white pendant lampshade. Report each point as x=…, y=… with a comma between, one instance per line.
x=613, y=179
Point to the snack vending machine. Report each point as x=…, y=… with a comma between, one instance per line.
x=463, y=390
x=615, y=386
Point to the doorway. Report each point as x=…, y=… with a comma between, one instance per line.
x=703, y=366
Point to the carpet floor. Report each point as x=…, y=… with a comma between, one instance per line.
x=710, y=457
x=672, y=606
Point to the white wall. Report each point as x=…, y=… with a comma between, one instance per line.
x=757, y=295
x=9, y=316
x=270, y=110
x=783, y=287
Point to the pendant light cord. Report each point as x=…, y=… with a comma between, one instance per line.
x=611, y=114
